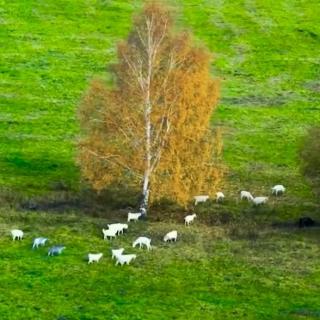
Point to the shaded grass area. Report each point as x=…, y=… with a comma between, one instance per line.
x=210, y=273
x=266, y=55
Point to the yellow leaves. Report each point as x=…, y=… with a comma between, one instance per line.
x=182, y=97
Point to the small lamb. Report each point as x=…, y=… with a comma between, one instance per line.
x=279, y=188
x=117, y=252
x=188, y=219
x=260, y=200
x=119, y=227
x=55, y=250
x=94, y=257
x=198, y=199
x=39, y=242
x=109, y=233
x=142, y=241
x=171, y=236
x=17, y=234
x=219, y=196
x=134, y=216
x=246, y=195
x=125, y=259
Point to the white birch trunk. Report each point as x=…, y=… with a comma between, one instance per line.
x=147, y=116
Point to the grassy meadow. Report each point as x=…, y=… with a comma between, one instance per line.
x=210, y=273
x=266, y=54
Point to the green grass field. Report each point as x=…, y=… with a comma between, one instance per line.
x=267, y=57
x=210, y=273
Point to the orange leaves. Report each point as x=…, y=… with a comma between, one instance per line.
x=163, y=78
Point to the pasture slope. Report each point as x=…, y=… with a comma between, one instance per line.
x=214, y=273
x=267, y=56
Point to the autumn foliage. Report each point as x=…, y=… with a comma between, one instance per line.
x=151, y=129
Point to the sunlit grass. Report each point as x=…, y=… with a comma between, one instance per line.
x=265, y=53
x=210, y=273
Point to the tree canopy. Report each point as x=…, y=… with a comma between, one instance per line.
x=151, y=129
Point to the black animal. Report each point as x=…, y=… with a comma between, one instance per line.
x=306, y=222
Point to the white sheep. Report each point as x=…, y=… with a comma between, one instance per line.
x=260, y=200
x=188, y=219
x=279, y=188
x=39, y=242
x=125, y=259
x=16, y=234
x=109, y=233
x=246, y=195
x=219, y=196
x=94, y=257
x=198, y=199
x=56, y=250
x=142, y=241
x=117, y=252
x=171, y=236
x=119, y=227
x=134, y=216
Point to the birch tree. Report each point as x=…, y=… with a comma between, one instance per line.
x=152, y=127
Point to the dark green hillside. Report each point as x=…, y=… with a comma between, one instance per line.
x=266, y=53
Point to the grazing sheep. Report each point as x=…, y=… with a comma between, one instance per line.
x=188, y=219
x=260, y=200
x=142, y=241
x=94, y=257
x=279, y=188
x=17, y=234
x=119, y=227
x=39, y=242
x=171, y=236
x=125, y=259
x=109, y=233
x=134, y=216
x=117, y=252
x=198, y=199
x=55, y=250
x=246, y=195
x=219, y=196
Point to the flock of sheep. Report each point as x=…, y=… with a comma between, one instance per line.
x=276, y=190
x=116, y=229
x=113, y=231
